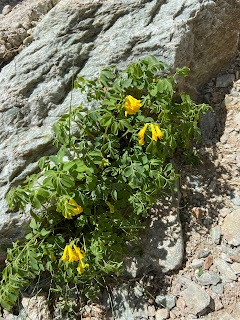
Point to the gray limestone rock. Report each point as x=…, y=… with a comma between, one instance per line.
x=167, y=301
x=126, y=306
x=225, y=270
x=209, y=277
x=218, y=288
x=196, y=299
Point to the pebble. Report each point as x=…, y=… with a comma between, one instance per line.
x=209, y=277
x=208, y=262
x=167, y=301
x=216, y=234
x=197, y=263
x=138, y=291
x=231, y=227
x=225, y=270
x=196, y=299
x=218, y=288
x=204, y=253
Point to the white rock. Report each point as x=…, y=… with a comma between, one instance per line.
x=196, y=299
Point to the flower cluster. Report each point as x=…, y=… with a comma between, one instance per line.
x=69, y=213
x=70, y=255
x=156, y=133
x=132, y=105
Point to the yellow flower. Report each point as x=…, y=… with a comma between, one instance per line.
x=72, y=255
x=141, y=134
x=68, y=214
x=154, y=133
x=159, y=132
x=132, y=105
x=81, y=266
x=78, y=252
x=75, y=254
x=65, y=254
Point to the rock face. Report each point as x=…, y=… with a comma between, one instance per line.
x=79, y=37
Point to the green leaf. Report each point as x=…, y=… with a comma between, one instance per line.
x=106, y=120
x=29, y=236
x=33, y=224
x=109, y=102
x=5, y=305
x=45, y=232
x=114, y=128
x=168, y=167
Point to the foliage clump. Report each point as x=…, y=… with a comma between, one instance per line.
x=91, y=198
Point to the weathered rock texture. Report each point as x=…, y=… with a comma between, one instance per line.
x=80, y=37
x=17, y=23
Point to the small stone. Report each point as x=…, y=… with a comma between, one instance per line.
x=167, y=301
x=225, y=80
x=208, y=262
x=204, y=253
x=196, y=299
x=218, y=288
x=225, y=270
x=197, y=263
x=216, y=234
x=231, y=227
x=236, y=267
x=208, y=278
x=138, y=291
x=6, y=9
x=162, y=314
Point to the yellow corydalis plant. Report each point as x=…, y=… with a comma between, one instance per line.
x=71, y=255
x=156, y=133
x=132, y=105
x=67, y=213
